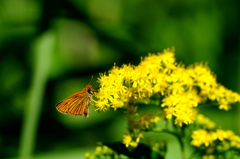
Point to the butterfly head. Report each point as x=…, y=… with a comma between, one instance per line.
x=89, y=89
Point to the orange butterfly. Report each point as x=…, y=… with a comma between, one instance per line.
x=78, y=103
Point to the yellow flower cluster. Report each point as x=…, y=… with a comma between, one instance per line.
x=208, y=157
x=131, y=84
x=143, y=122
x=203, y=137
x=181, y=89
x=181, y=106
x=137, y=123
x=132, y=141
x=207, y=138
x=205, y=122
x=88, y=155
x=147, y=119
x=99, y=151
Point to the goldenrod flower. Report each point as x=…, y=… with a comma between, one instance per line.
x=177, y=91
x=142, y=122
x=235, y=141
x=88, y=155
x=222, y=135
x=208, y=157
x=139, y=136
x=134, y=83
x=182, y=106
x=205, y=122
x=127, y=140
x=98, y=150
x=227, y=139
x=106, y=150
x=203, y=137
x=181, y=88
x=148, y=119
x=132, y=140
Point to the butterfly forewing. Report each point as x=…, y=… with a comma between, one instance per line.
x=78, y=107
x=77, y=104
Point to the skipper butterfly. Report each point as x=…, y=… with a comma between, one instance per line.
x=78, y=103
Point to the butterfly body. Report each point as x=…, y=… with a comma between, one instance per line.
x=78, y=103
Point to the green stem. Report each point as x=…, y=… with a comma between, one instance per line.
x=166, y=125
x=42, y=52
x=178, y=136
x=193, y=154
x=181, y=136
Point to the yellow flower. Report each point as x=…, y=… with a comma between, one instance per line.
x=181, y=89
x=227, y=139
x=208, y=157
x=203, y=137
x=139, y=136
x=148, y=119
x=106, y=150
x=235, y=141
x=88, y=155
x=134, y=83
x=127, y=139
x=206, y=122
x=98, y=150
x=181, y=106
x=162, y=61
x=142, y=122
x=221, y=134
x=202, y=75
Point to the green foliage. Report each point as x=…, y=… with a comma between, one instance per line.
x=88, y=37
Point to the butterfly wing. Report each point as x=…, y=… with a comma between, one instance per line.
x=76, y=104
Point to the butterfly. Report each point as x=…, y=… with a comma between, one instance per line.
x=78, y=103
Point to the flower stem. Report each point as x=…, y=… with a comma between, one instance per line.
x=177, y=135
x=42, y=50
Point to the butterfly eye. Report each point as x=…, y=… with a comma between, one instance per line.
x=89, y=90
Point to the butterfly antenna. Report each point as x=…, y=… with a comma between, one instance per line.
x=90, y=80
x=93, y=84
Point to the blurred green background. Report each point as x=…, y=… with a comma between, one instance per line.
x=50, y=49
